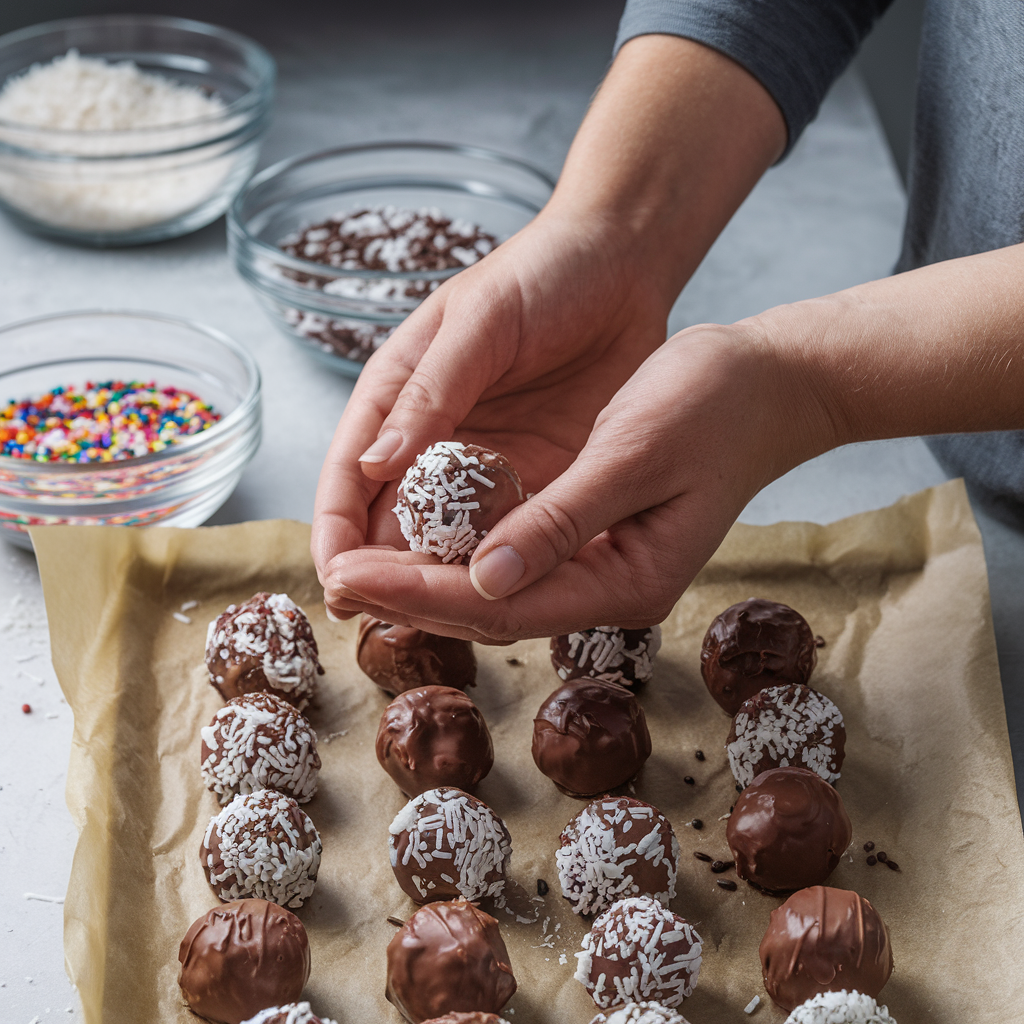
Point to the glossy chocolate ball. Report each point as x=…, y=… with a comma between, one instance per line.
x=639, y=950
x=452, y=496
x=242, y=957
x=787, y=830
x=752, y=645
x=609, y=653
x=824, y=940
x=783, y=726
x=446, y=844
x=400, y=658
x=448, y=957
x=434, y=736
x=265, y=644
x=589, y=737
x=614, y=848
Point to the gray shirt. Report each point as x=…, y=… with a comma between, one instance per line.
x=966, y=191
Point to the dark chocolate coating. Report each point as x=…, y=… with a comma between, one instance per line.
x=241, y=958
x=400, y=658
x=434, y=736
x=610, y=653
x=752, y=645
x=788, y=830
x=824, y=940
x=589, y=737
x=448, y=957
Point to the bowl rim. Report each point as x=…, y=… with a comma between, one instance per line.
x=238, y=228
x=256, y=99
x=250, y=400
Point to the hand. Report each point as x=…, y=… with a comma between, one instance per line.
x=518, y=353
x=707, y=421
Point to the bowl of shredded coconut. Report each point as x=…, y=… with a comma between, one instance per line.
x=125, y=129
x=341, y=246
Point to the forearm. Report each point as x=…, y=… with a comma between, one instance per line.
x=674, y=141
x=935, y=350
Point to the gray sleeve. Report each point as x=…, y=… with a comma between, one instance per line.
x=795, y=48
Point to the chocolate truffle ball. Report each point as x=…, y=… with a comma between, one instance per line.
x=467, y=1018
x=639, y=950
x=445, y=844
x=609, y=653
x=589, y=737
x=840, y=1008
x=258, y=741
x=752, y=645
x=448, y=957
x=641, y=1013
x=824, y=940
x=614, y=848
x=788, y=830
x=242, y=957
x=293, y=1013
x=787, y=725
x=434, y=736
x=452, y=495
x=265, y=644
x=400, y=658
x=262, y=845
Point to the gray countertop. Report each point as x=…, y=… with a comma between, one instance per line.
x=829, y=217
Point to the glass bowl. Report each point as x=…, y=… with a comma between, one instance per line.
x=343, y=316
x=127, y=187
x=184, y=484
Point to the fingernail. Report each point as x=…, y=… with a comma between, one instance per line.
x=330, y=614
x=497, y=572
x=383, y=448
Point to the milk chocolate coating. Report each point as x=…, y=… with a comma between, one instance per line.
x=589, y=737
x=612, y=654
x=752, y=645
x=824, y=940
x=448, y=957
x=400, y=658
x=241, y=958
x=434, y=736
x=788, y=830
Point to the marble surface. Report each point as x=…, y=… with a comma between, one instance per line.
x=830, y=216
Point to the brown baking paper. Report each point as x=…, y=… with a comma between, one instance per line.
x=900, y=596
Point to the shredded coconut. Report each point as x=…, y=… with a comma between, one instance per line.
x=602, y=653
x=83, y=107
x=290, y=1013
x=641, y=1013
x=840, y=1008
x=656, y=953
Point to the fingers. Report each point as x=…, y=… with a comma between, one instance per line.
x=469, y=351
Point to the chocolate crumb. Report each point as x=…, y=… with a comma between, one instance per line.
x=699, y=755
x=731, y=806
x=883, y=857
x=739, y=788
x=513, y=661
x=869, y=846
x=702, y=856
x=542, y=887
x=396, y=921
x=722, y=865
x=892, y=865
x=872, y=861
x=688, y=779
x=727, y=883
x=819, y=641
x=697, y=824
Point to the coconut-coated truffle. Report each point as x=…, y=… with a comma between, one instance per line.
x=612, y=654
x=840, y=1008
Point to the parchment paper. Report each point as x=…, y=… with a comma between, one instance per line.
x=899, y=595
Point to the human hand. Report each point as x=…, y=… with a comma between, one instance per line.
x=518, y=353
x=707, y=421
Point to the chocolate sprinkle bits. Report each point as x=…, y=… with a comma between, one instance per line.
x=542, y=887
x=688, y=779
x=702, y=856
x=722, y=865
x=727, y=883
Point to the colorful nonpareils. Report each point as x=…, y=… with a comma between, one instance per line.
x=104, y=422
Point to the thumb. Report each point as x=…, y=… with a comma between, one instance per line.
x=607, y=483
